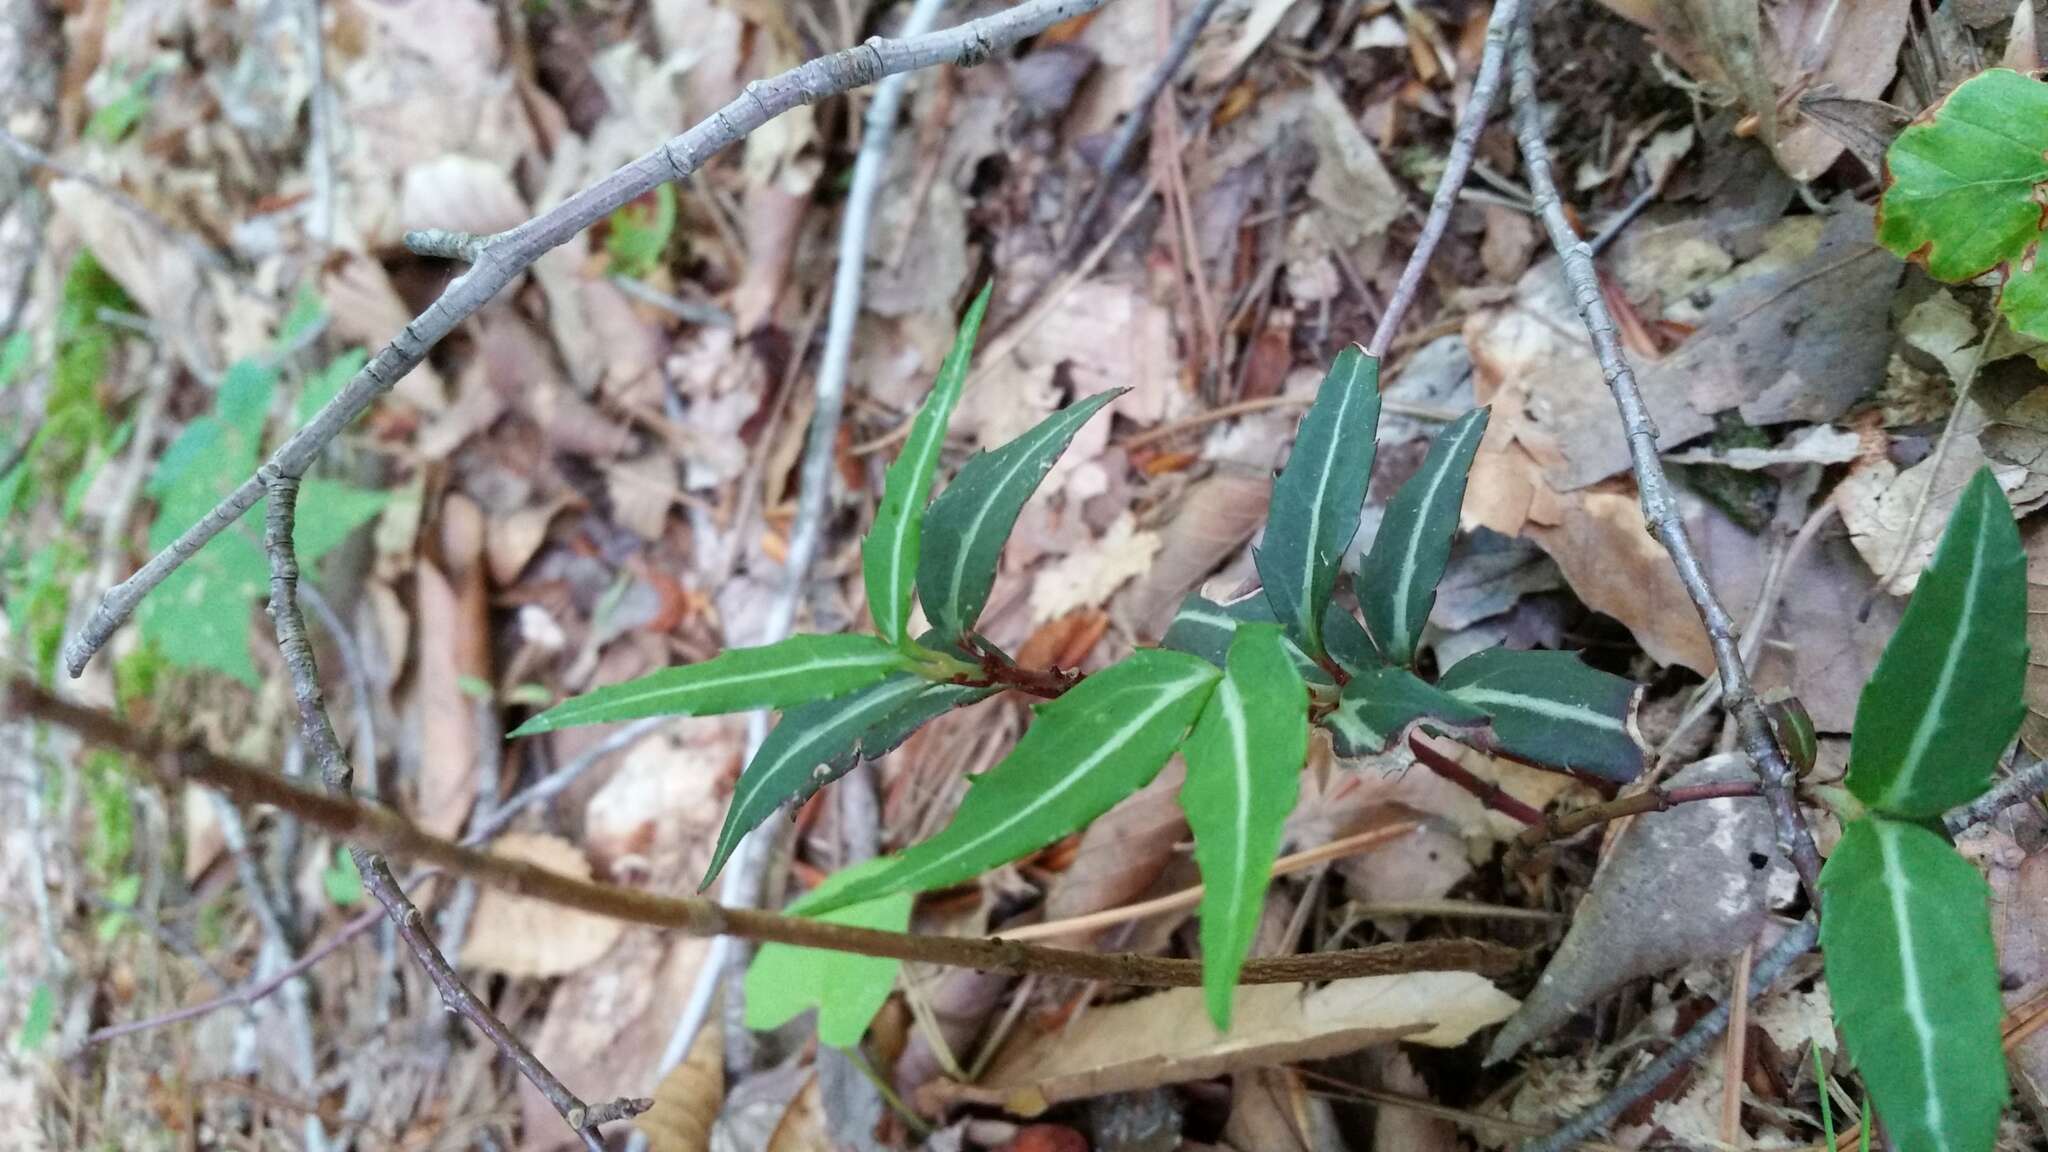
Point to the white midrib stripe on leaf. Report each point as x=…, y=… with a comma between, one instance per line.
x=1309, y=625
x=1400, y=638
x=1898, y=886
x=1232, y=702
x=881, y=701
x=1930, y=719
x=786, y=671
x=919, y=486
x=967, y=538
x=1554, y=709
x=1164, y=697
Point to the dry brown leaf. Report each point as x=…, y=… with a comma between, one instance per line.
x=1123, y=852
x=1271, y=1111
x=1509, y=243
x=1169, y=1039
x=1877, y=499
x=688, y=1100
x=774, y=219
x=162, y=277
x=803, y=1127
x=453, y=625
x=642, y=490
x=1087, y=579
x=2019, y=894
x=2034, y=730
x=367, y=310
x=522, y=936
x=1210, y=524
x=460, y=193
x=1406, y=1129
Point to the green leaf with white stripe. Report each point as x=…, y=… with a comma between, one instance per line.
x=1244, y=773
x=1905, y=932
x=780, y=675
x=1946, y=697
x=889, y=555
x=812, y=746
x=1347, y=642
x=1101, y=741
x=966, y=527
x=1379, y=704
x=1318, y=496
x=1397, y=583
x=1205, y=628
x=1550, y=709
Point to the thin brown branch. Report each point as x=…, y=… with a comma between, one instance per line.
x=505, y=256
x=1557, y=827
x=1500, y=29
x=1660, y=502
x=385, y=831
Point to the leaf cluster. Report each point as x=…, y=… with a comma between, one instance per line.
x=1234, y=688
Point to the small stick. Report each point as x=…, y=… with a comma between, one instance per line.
x=1489, y=794
x=1735, y=1053
x=1500, y=29
x=2022, y=785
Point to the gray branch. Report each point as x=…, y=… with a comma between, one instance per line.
x=508, y=254
x=1660, y=503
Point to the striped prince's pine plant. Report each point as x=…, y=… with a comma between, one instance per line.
x=1235, y=688
x=1905, y=926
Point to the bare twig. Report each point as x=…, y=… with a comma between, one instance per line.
x=248, y=994
x=319, y=125
x=317, y=730
x=508, y=254
x=2021, y=786
x=1689, y=1047
x=1133, y=128
x=384, y=831
x=1660, y=503
x=1464, y=143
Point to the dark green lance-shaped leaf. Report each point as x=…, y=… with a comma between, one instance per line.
x=1318, y=495
x=1550, y=709
x=1205, y=628
x=1098, y=743
x=1947, y=693
x=1906, y=935
x=847, y=990
x=1397, y=582
x=1345, y=637
x=1244, y=772
x=796, y=670
x=965, y=529
x=1964, y=188
x=1379, y=704
x=813, y=745
x=889, y=555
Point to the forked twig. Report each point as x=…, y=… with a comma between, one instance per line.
x=501, y=258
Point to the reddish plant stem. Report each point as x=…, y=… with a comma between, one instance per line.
x=1491, y=795
x=1557, y=827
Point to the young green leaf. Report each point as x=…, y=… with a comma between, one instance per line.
x=1349, y=646
x=1244, y=772
x=1905, y=933
x=780, y=675
x=1204, y=628
x=847, y=990
x=1964, y=186
x=1379, y=704
x=1549, y=708
x=966, y=527
x=1318, y=496
x=1397, y=583
x=889, y=555
x=1947, y=693
x=1098, y=743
